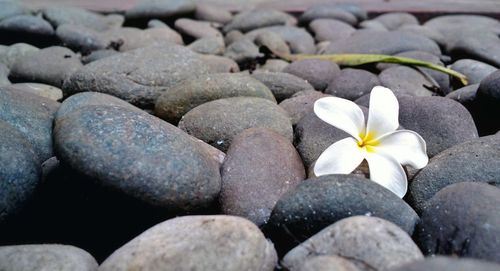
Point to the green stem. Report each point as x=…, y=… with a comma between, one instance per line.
x=360, y=59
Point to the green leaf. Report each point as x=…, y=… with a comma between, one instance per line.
x=360, y=59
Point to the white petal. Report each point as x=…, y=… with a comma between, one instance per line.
x=383, y=112
x=387, y=172
x=342, y=114
x=407, y=147
x=342, y=157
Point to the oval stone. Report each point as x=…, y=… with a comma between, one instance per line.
x=138, y=155
x=196, y=243
x=451, y=263
x=371, y=243
x=217, y=122
x=318, y=202
x=462, y=219
x=260, y=167
x=282, y=85
x=175, y=102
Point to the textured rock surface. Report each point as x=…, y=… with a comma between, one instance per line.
x=197, y=243
x=370, y=243
x=32, y=115
x=318, y=202
x=20, y=171
x=352, y=83
x=138, y=155
x=260, y=167
x=137, y=76
x=217, y=122
x=43, y=90
x=442, y=263
x=462, y=219
x=476, y=160
x=301, y=105
x=282, y=85
x=46, y=257
x=175, y=102
x=316, y=72
x=328, y=263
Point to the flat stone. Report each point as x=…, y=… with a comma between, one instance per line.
x=46, y=257
x=272, y=41
x=425, y=31
x=448, y=264
x=26, y=28
x=316, y=72
x=436, y=78
x=386, y=43
x=4, y=75
x=260, y=167
x=197, y=29
x=175, y=102
x=330, y=30
x=210, y=13
x=407, y=80
x=59, y=15
x=258, y=18
x=32, y=115
x=394, y=20
x=327, y=11
x=352, y=83
x=319, y=202
x=476, y=160
x=220, y=64
x=474, y=70
x=462, y=219
x=442, y=122
x=137, y=76
x=197, y=243
x=298, y=107
x=160, y=9
x=217, y=122
x=49, y=66
x=371, y=243
x=208, y=46
x=43, y=90
x=242, y=50
x=11, y=54
x=299, y=40
x=138, y=155
x=19, y=174
x=282, y=85
x=328, y=263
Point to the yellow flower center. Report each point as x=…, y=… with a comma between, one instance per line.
x=368, y=142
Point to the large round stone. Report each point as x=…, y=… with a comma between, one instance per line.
x=462, y=219
x=137, y=76
x=138, y=155
x=19, y=172
x=318, y=202
x=370, y=243
x=441, y=263
x=217, y=122
x=46, y=257
x=175, y=102
x=196, y=243
x=260, y=167
x=476, y=160
x=32, y=115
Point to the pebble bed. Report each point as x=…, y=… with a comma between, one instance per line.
x=168, y=138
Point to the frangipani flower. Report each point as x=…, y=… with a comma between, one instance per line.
x=384, y=148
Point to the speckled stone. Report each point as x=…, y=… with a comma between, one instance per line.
x=137, y=76
x=371, y=243
x=217, y=122
x=298, y=106
x=476, y=160
x=352, y=83
x=138, y=155
x=260, y=167
x=47, y=91
x=20, y=171
x=442, y=263
x=175, y=102
x=32, y=115
x=282, y=85
x=316, y=72
x=196, y=243
x=46, y=257
x=318, y=202
x=327, y=263
x=462, y=219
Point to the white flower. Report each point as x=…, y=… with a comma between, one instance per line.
x=384, y=148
